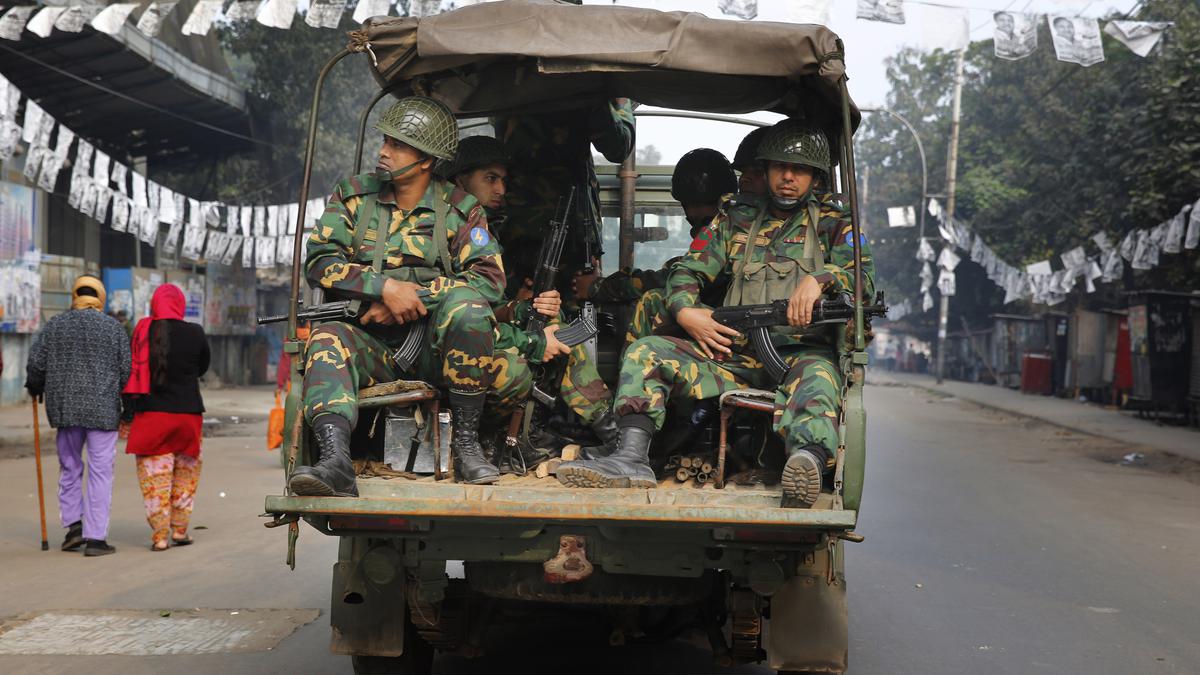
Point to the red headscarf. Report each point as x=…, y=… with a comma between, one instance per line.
x=168, y=303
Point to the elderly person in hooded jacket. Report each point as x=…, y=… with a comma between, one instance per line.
x=78, y=363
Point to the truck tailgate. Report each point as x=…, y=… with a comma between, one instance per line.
x=534, y=500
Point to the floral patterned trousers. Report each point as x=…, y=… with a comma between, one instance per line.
x=168, y=487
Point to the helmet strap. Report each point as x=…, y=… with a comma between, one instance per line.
x=387, y=176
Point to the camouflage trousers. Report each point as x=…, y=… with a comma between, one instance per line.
x=343, y=358
x=657, y=369
x=582, y=389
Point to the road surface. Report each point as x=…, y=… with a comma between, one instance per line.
x=993, y=545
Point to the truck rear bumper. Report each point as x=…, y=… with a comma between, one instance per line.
x=542, y=503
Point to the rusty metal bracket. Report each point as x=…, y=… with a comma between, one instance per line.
x=281, y=519
x=570, y=564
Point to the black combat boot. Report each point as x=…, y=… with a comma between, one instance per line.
x=606, y=430
x=801, y=478
x=470, y=466
x=333, y=474
x=629, y=466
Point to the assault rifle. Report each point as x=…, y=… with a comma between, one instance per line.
x=547, y=377
x=403, y=357
x=593, y=248
x=756, y=321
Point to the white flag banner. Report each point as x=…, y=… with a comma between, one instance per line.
x=891, y=11
x=119, y=173
x=944, y=28
x=214, y=248
x=171, y=243
x=14, y=21
x=272, y=221
x=1143, y=256
x=51, y=165
x=32, y=128
x=101, y=170
x=264, y=252
x=180, y=204
x=229, y=256
x=212, y=213
x=925, y=251
x=166, y=206
x=947, y=259
x=805, y=11
x=194, y=229
x=103, y=198
x=742, y=9
x=260, y=221
x=316, y=208
x=89, y=195
x=1076, y=39
x=10, y=138
x=1173, y=241
x=1074, y=260
x=926, y=302
x=293, y=214
x=152, y=194
x=283, y=251
x=148, y=225
x=248, y=252
x=901, y=216
x=325, y=13
x=120, y=214
x=243, y=10
x=1102, y=242
x=1015, y=36
x=43, y=22
x=1111, y=266
x=369, y=8
x=152, y=18
x=76, y=17
x=946, y=285
x=10, y=99
x=275, y=14
x=33, y=162
x=200, y=21
x=926, y=277
x=1139, y=36
x=1192, y=240
x=81, y=173
x=139, y=189
x=245, y=220
x=111, y=18
x=231, y=219
x=1129, y=244
x=421, y=8
x=1039, y=269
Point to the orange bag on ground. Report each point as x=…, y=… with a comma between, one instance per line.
x=275, y=425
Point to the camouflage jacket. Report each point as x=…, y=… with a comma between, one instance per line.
x=627, y=285
x=330, y=264
x=720, y=246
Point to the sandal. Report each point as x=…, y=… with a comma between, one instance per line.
x=186, y=541
x=156, y=549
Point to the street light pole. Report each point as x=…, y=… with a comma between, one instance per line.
x=951, y=176
x=921, y=152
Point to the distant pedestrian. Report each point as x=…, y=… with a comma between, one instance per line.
x=169, y=356
x=79, y=362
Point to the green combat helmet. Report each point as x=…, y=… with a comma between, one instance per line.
x=473, y=152
x=423, y=123
x=747, y=151
x=796, y=142
x=702, y=176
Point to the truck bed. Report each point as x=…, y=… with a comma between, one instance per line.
x=542, y=500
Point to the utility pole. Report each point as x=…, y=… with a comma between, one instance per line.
x=951, y=176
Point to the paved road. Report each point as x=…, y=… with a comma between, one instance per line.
x=994, y=545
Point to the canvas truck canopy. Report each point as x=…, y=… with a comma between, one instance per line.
x=540, y=55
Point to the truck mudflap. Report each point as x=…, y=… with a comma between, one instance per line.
x=445, y=501
x=809, y=629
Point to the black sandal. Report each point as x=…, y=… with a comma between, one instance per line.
x=186, y=541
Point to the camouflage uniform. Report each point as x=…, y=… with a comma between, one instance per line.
x=551, y=154
x=806, y=404
x=343, y=357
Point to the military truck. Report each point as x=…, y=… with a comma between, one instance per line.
x=710, y=547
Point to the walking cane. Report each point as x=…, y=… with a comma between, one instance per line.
x=37, y=454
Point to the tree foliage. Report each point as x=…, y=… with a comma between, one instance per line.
x=1050, y=153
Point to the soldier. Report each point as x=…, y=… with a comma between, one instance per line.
x=798, y=244
x=752, y=180
x=436, y=260
x=481, y=167
x=702, y=177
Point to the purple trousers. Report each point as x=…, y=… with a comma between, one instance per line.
x=101, y=454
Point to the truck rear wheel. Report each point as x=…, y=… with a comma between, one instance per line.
x=416, y=660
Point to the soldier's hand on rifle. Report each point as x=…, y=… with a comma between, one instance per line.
x=402, y=301
x=554, y=348
x=800, y=304
x=548, y=304
x=377, y=313
x=713, y=337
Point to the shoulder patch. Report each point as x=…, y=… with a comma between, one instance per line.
x=704, y=237
x=480, y=236
x=850, y=238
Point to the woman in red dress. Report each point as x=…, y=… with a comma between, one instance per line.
x=169, y=356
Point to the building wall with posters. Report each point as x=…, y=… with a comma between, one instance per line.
x=22, y=215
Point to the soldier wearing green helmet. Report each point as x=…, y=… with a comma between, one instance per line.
x=797, y=244
x=409, y=246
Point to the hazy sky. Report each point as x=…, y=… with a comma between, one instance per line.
x=868, y=43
